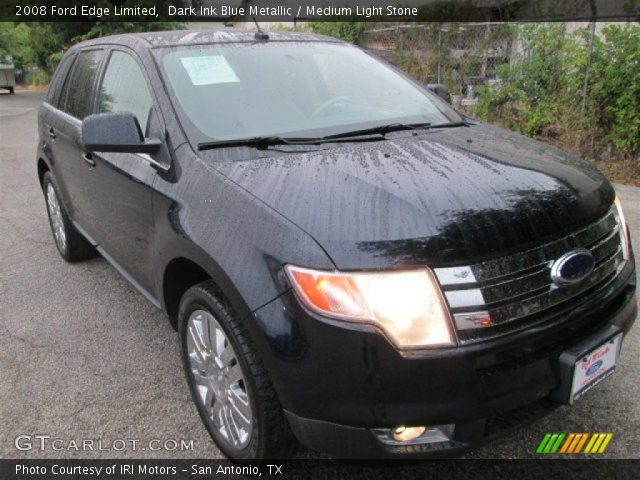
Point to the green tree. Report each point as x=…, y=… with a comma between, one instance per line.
x=14, y=42
x=42, y=44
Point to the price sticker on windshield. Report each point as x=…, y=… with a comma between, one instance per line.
x=209, y=70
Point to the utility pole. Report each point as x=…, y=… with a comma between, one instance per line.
x=592, y=34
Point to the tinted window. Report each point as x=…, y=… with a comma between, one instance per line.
x=55, y=87
x=80, y=85
x=124, y=89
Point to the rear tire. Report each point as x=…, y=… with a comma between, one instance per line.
x=71, y=244
x=261, y=430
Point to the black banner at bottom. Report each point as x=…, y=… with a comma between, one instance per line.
x=122, y=469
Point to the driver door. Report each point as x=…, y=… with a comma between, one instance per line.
x=119, y=185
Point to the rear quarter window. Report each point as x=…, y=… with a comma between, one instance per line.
x=79, y=88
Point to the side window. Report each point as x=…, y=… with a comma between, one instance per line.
x=124, y=89
x=55, y=87
x=79, y=88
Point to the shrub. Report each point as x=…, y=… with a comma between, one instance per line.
x=615, y=87
x=541, y=95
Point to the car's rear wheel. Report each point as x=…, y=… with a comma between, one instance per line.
x=70, y=243
x=228, y=382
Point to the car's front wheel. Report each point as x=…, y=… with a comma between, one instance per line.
x=228, y=382
x=70, y=243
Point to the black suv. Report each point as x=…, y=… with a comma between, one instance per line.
x=348, y=260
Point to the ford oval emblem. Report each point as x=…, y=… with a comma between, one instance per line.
x=593, y=368
x=572, y=267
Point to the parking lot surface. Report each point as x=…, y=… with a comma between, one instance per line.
x=83, y=356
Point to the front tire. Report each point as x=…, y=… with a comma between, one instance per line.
x=228, y=383
x=71, y=245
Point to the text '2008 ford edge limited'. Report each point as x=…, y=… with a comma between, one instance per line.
x=349, y=262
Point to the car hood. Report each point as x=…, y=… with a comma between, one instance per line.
x=440, y=197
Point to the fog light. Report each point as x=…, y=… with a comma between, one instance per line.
x=403, y=435
x=407, y=434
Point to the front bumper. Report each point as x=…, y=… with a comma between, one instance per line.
x=336, y=384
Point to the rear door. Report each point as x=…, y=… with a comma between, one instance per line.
x=48, y=117
x=63, y=132
x=119, y=184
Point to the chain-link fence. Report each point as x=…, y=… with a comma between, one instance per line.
x=461, y=56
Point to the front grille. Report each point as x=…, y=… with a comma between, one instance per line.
x=507, y=294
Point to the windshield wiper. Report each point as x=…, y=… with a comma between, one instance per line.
x=264, y=142
x=256, y=142
x=380, y=130
x=394, y=127
x=370, y=134
x=462, y=123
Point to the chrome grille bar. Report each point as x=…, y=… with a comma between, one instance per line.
x=519, y=287
x=512, y=265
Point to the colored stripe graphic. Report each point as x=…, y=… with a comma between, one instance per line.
x=592, y=441
x=551, y=443
x=598, y=443
x=567, y=443
x=579, y=437
x=583, y=439
x=556, y=445
x=543, y=443
x=573, y=443
x=605, y=442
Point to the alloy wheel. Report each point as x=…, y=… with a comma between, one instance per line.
x=55, y=214
x=220, y=385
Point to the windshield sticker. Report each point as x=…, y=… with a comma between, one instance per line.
x=209, y=70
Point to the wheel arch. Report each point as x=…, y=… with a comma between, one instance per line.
x=182, y=273
x=179, y=275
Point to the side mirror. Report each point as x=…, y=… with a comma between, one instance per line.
x=116, y=132
x=441, y=90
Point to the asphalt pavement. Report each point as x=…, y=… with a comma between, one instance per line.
x=83, y=356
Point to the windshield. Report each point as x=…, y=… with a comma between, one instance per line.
x=246, y=90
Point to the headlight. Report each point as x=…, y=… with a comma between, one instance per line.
x=407, y=306
x=625, y=239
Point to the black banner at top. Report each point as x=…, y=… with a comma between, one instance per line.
x=317, y=10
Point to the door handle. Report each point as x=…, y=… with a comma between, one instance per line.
x=89, y=160
x=52, y=133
